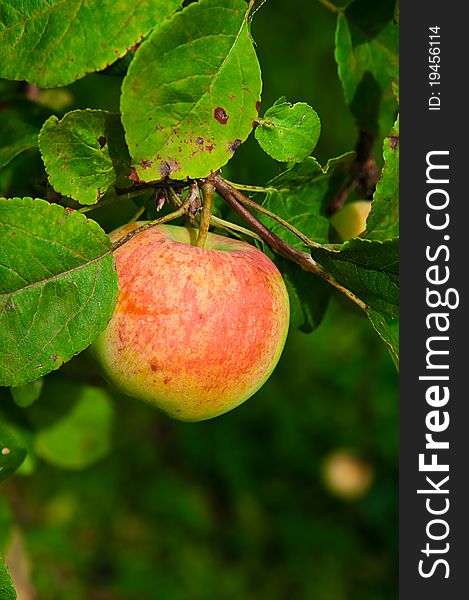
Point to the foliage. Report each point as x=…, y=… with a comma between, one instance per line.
x=6, y=587
x=105, y=107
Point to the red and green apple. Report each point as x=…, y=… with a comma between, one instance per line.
x=196, y=331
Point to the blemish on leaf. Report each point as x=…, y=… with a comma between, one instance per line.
x=102, y=141
x=393, y=141
x=165, y=169
x=166, y=380
x=220, y=115
x=234, y=145
x=146, y=164
x=258, y=106
x=5, y=451
x=54, y=358
x=133, y=175
x=153, y=366
x=209, y=148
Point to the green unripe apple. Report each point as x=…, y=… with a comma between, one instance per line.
x=196, y=331
x=350, y=220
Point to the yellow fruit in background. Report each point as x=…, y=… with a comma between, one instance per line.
x=346, y=476
x=350, y=220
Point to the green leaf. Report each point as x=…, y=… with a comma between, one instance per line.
x=12, y=451
x=367, y=56
x=289, y=133
x=367, y=268
x=7, y=590
x=58, y=287
x=300, y=195
x=189, y=97
x=6, y=523
x=54, y=42
x=82, y=436
x=388, y=330
x=310, y=172
x=309, y=296
x=84, y=154
x=383, y=220
x=16, y=136
x=27, y=394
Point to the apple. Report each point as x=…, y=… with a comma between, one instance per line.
x=350, y=220
x=196, y=331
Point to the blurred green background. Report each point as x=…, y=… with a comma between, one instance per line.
x=256, y=504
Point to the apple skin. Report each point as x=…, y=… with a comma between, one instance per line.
x=350, y=220
x=196, y=331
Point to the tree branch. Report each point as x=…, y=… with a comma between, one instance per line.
x=240, y=197
x=303, y=259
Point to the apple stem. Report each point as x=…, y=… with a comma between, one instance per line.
x=216, y=221
x=205, y=216
x=303, y=259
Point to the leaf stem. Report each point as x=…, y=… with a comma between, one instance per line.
x=119, y=197
x=250, y=188
x=217, y=222
x=113, y=200
x=138, y=214
x=331, y=6
x=174, y=197
x=207, y=192
x=165, y=219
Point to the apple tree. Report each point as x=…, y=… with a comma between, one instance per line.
x=189, y=95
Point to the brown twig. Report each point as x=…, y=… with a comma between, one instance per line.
x=240, y=197
x=303, y=259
